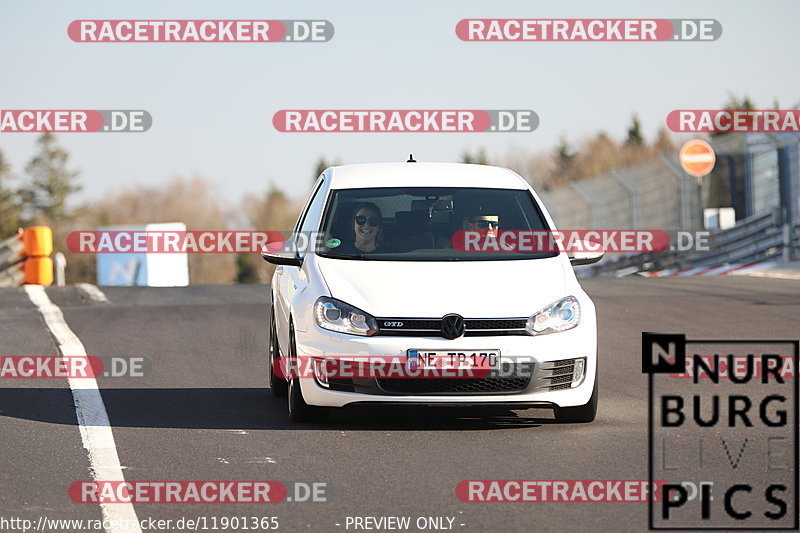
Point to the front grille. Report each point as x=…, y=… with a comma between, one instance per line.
x=341, y=384
x=502, y=323
x=487, y=385
x=432, y=327
x=555, y=375
x=549, y=376
x=509, y=378
x=563, y=370
x=557, y=380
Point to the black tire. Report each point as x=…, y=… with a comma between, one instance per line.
x=580, y=414
x=299, y=410
x=277, y=385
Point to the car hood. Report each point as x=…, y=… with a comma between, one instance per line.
x=473, y=289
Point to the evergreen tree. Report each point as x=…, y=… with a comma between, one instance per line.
x=322, y=164
x=479, y=158
x=10, y=207
x=51, y=185
x=564, y=153
x=246, y=269
x=734, y=103
x=635, y=136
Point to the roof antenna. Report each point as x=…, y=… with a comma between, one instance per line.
x=411, y=159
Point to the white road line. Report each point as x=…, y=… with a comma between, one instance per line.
x=92, y=417
x=92, y=292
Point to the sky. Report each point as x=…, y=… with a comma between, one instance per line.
x=212, y=103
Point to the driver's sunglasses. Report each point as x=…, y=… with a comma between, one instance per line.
x=486, y=224
x=361, y=220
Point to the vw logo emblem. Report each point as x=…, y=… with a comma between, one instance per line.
x=453, y=326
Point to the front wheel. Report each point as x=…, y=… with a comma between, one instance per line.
x=278, y=385
x=299, y=410
x=580, y=414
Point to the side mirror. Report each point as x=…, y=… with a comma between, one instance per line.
x=282, y=258
x=585, y=256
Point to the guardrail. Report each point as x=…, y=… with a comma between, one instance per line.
x=755, y=239
x=25, y=258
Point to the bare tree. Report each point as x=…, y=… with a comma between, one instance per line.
x=10, y=203
x=271, y=211
x=593, y=156
x=194, y=201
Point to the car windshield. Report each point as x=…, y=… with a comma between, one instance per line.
x=424, y=223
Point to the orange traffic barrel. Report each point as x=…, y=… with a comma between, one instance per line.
x=38, y=241
x=38, y=270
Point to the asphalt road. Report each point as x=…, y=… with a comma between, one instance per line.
x=202, y=411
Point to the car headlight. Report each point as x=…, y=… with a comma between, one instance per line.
x=335, y=315
x=561, y=315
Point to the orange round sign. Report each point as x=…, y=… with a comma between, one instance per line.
x=697, y=158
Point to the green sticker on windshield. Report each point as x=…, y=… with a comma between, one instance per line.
x=333, y=243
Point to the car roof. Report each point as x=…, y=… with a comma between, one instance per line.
x=423, y=175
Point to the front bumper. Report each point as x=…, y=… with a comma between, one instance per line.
x=541, y=351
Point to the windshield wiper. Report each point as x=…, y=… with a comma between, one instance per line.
x=360, y=257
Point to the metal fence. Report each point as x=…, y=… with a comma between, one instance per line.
x=762, y=171
x=759, y=172
x=655, y=194
x=759, y=238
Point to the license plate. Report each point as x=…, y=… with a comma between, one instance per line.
x=462, y=359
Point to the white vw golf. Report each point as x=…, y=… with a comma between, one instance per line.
x=379, y=270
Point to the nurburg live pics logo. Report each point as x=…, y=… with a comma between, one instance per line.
x=725, y=437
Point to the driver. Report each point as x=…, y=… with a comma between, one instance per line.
x=482, y=222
